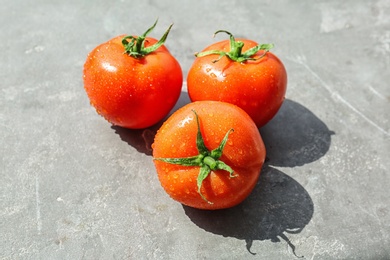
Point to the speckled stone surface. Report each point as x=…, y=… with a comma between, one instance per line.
x=74, y=187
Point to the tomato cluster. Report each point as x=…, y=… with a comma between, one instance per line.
x=209, y=153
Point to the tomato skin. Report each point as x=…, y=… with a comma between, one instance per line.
x=244, y=153
x=132, y=92
x=257, y=86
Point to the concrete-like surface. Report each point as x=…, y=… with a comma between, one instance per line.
x=74, y=187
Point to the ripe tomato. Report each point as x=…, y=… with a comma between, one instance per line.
x=208, y=155
x=133, y=81
x=242, y=73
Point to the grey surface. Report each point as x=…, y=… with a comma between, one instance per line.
x=74, y=187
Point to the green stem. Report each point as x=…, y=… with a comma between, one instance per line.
x=210, y=162
x=134, y=46
x=235, y=53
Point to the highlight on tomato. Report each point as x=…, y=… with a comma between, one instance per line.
x=133, y=81
x=208, y=155
x=241, y=72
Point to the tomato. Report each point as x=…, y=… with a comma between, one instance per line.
x=242, y=73
x=132, y=81
x=208, y=155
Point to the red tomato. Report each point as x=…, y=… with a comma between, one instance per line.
x=208, y=155
x=136, y=88
x=242, y=73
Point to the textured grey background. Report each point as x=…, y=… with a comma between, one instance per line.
x=74, y=187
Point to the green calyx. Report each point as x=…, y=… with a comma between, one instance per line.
x=207, y=160
x=235, y=52
x=134, y=46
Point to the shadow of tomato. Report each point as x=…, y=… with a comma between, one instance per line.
x=295, y=136
x=140, y=139
x=278, y=205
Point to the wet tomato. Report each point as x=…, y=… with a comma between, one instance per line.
x=132, y=81
x=240, y=72
x=208, y=155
